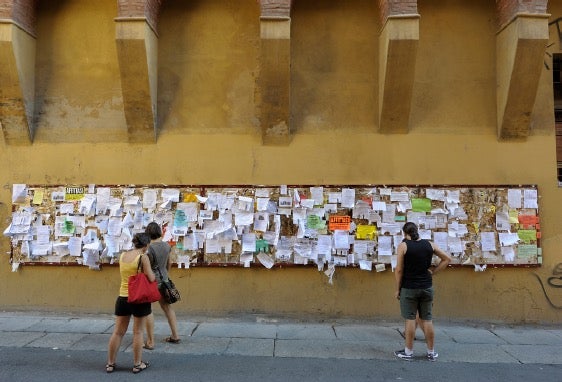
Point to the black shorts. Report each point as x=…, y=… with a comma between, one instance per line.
x=123, y=308
x=414, y=301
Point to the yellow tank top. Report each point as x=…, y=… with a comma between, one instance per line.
x=126, y=270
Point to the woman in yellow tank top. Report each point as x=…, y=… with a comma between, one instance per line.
x=128, y=263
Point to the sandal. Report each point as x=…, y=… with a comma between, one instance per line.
x=172, y=340
x=140, y=367
x=110, y=368
x=145, y=346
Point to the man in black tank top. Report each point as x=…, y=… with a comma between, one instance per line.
x=414, y=287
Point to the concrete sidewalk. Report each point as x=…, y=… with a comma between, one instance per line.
x=267, y=337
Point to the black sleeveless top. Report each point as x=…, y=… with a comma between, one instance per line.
x=416, y=264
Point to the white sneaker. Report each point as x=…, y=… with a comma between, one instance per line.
x=402, y=355
x=432, y=356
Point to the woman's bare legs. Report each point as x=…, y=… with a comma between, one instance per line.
x=149, y=324
x=171, y=316
x=119, y=330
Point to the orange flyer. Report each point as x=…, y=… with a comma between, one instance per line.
x=528, y=220
x=339, y=222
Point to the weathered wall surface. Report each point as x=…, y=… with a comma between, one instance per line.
x=209, y=134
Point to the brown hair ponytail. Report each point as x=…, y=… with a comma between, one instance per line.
x=411, y=229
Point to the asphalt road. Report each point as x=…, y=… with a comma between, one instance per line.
x=40, y=364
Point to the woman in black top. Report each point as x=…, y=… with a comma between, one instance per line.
x=414, y=287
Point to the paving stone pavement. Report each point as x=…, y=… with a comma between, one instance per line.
x=283, y=337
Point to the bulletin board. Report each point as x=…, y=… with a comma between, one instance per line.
x=317, y=225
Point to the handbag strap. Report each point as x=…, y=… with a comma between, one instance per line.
x=140, y=263
x=159, y=272
x=154, y=262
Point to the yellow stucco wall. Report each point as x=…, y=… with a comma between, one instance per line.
x=209, y=134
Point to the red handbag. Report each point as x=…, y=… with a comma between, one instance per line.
x=141, y=290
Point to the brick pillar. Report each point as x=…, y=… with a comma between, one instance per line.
x=520, y=48
x=509, y=9
x=17, y=77
x=392, y=8
x=137, y=52
x=145, y=9
x=398, y=44
x=274, y=83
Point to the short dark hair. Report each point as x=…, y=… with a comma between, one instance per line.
x=141, y=240
x=411, y=229
x=153, y=230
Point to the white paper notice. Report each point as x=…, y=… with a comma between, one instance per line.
x=360, y=247
x=86, y=204
x=530, y=199
x=385, y=246
x=212, y=246
x=261, y=204
x=488, y=241
x=399, y=197
x=190, y=209
x=366, y=265
x=502, y=221
x=389, y=214
x=514, y=198
x=285, y=202
x=379, y=206
x=266, y=260
x=317, y=193
x=385, y=191
x=114, y=226
x=508, y=253
x=453, y=196
x=148, y=198
x=261, y=222
x=507, y=239
x=391, y=228
x=172, y=194
x=457, y=230
x=19, y=193
x=262, y=193
x=334, y=197
x=43, y=234
x=75, y=246
x=246, y=259
x=455, y=245
x=243, y=218
x=324, y=244
x=341, y=240
x=347, y=197
x=102, y=200
x=425, y=234
x=434, y=194
x=440, y=239
x=307, y=203
x=249, y=242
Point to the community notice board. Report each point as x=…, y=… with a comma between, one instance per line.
x=343, y=225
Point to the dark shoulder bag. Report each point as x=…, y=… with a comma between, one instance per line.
x=167, y=289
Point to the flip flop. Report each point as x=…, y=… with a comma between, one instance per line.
x=140, y=367
x=110, y=368
x=172, y=340
x=145, y=346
